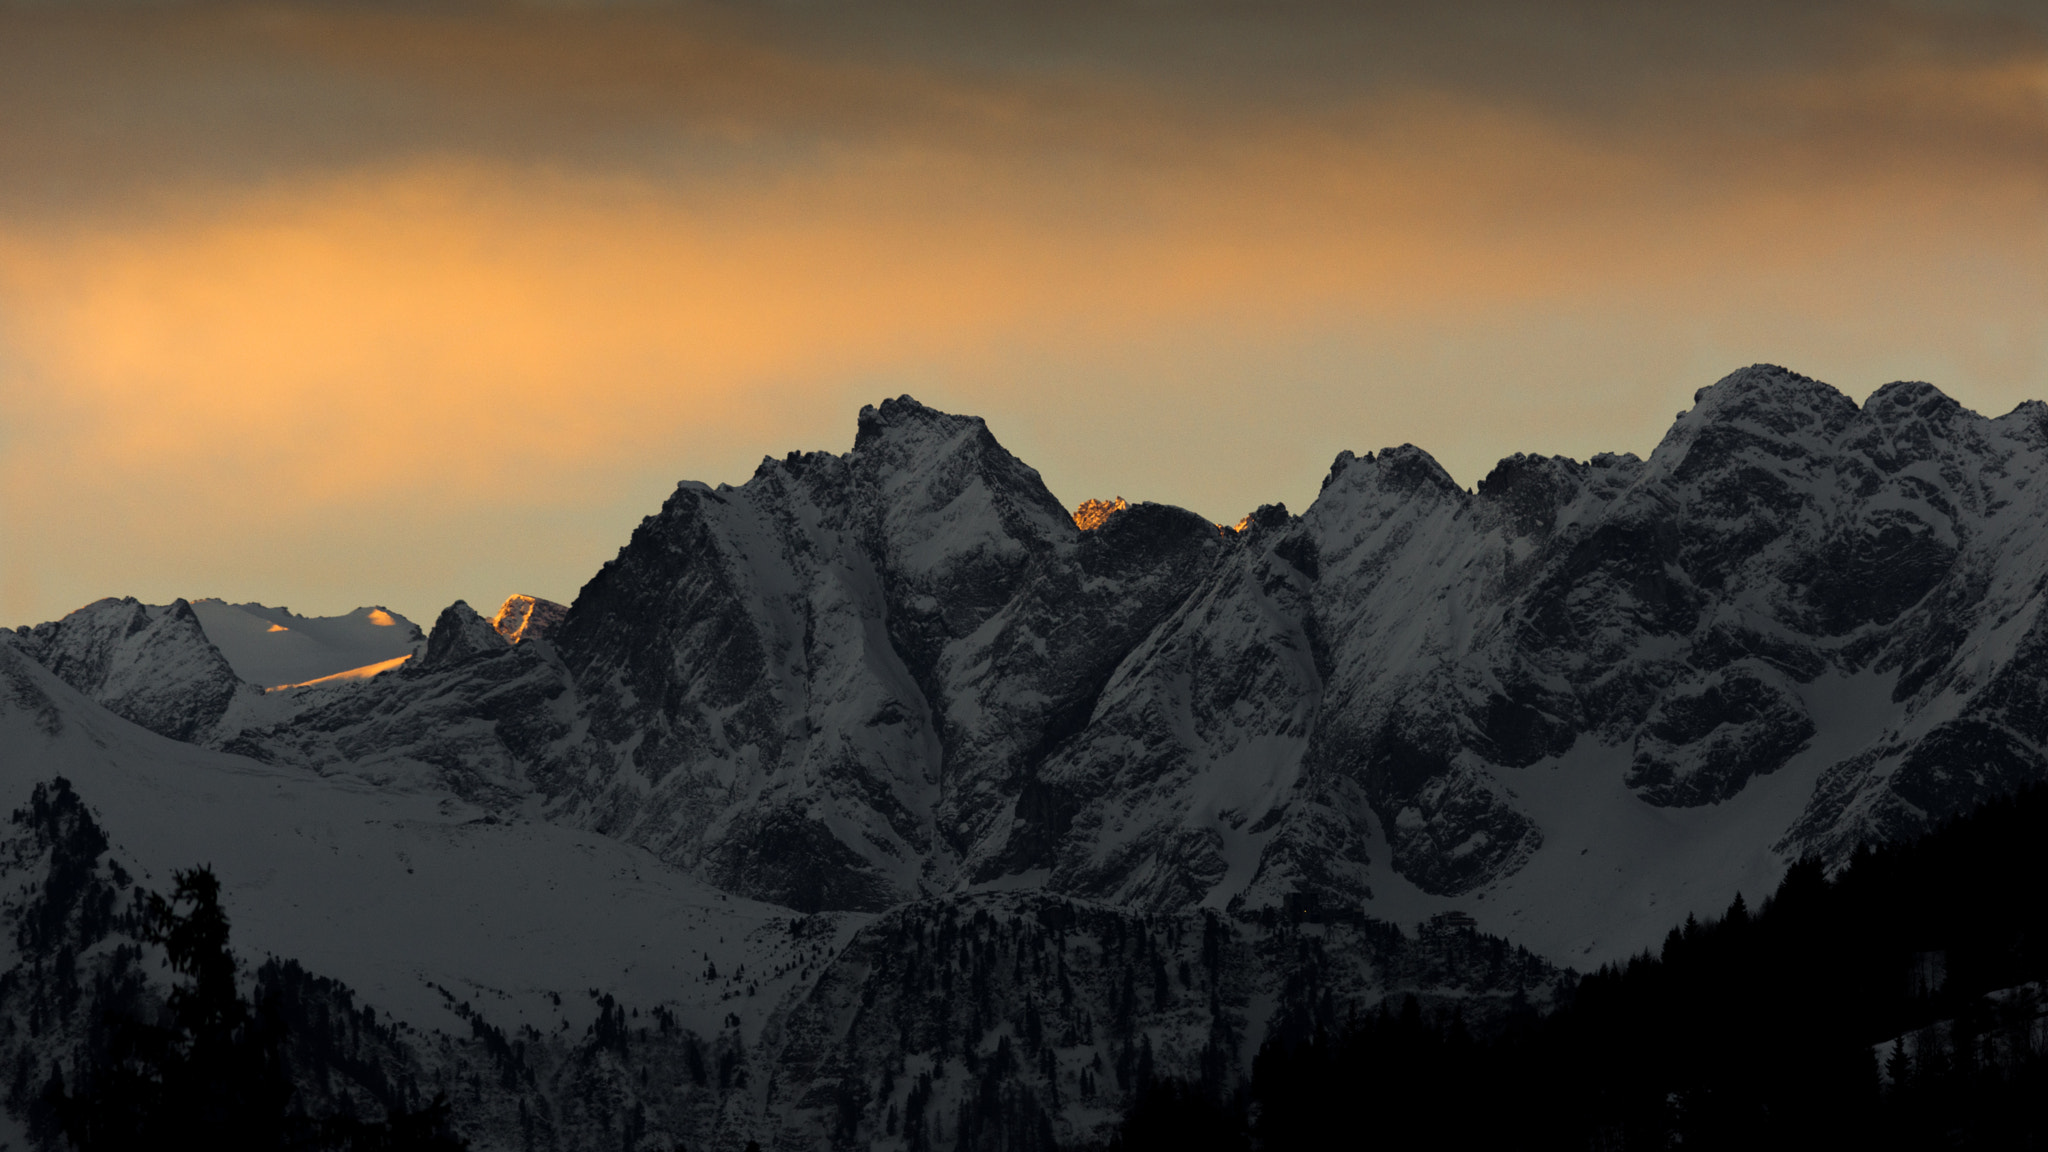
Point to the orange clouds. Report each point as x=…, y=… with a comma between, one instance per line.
x=365, y=305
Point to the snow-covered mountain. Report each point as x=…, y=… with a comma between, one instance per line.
x=1568, y=702
x=198, y=671
x=902, y=686
x=1565, y=703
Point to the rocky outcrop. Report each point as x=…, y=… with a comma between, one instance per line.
x=1092, y=514
x=460, y=634
x=1008, y=1019
x=521, y=618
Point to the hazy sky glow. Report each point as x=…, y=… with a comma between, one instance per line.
x=336, y=305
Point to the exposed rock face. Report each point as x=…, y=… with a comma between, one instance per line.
x=858, y=679
x=1034, y=1016
x=146, y=663
x=656, y=1012
x=522, y=618
x=1704, y=740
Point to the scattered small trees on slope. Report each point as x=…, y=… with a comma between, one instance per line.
x=204, y=1067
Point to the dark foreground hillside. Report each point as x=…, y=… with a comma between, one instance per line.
x=1898, y=1005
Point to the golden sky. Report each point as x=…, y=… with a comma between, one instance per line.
x=346, y=304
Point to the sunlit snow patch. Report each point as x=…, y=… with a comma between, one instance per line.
x=363, y=673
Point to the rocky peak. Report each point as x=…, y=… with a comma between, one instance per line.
x=459, y=633
x=620, y=616
x=1904, y=423
x=1371, y=502
x=1903, y=400
x=1749, y=470
x=1401, y=472
x=1529, y=491
x=1777, y=398
x=1609, y=472
x=2028, y=422
x=1265, y=518
x=1142, y=536
x=1409, y=468
x=1762, y=416
x=903, y=420
x=79, y=647
x=953, y=521
x=521, y=618
x=1093, y=514
x=940, y=479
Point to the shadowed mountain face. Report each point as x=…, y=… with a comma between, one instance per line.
x=857, y=679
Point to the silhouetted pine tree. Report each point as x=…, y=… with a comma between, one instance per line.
x=1181, y=1118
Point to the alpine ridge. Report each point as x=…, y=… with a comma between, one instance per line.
x=907, y=670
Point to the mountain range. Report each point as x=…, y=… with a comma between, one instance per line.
x=896, y=715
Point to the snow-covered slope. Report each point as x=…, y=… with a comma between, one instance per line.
x=188, y=670
x=271, y=646
x=391, y=890
x=364, y=673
